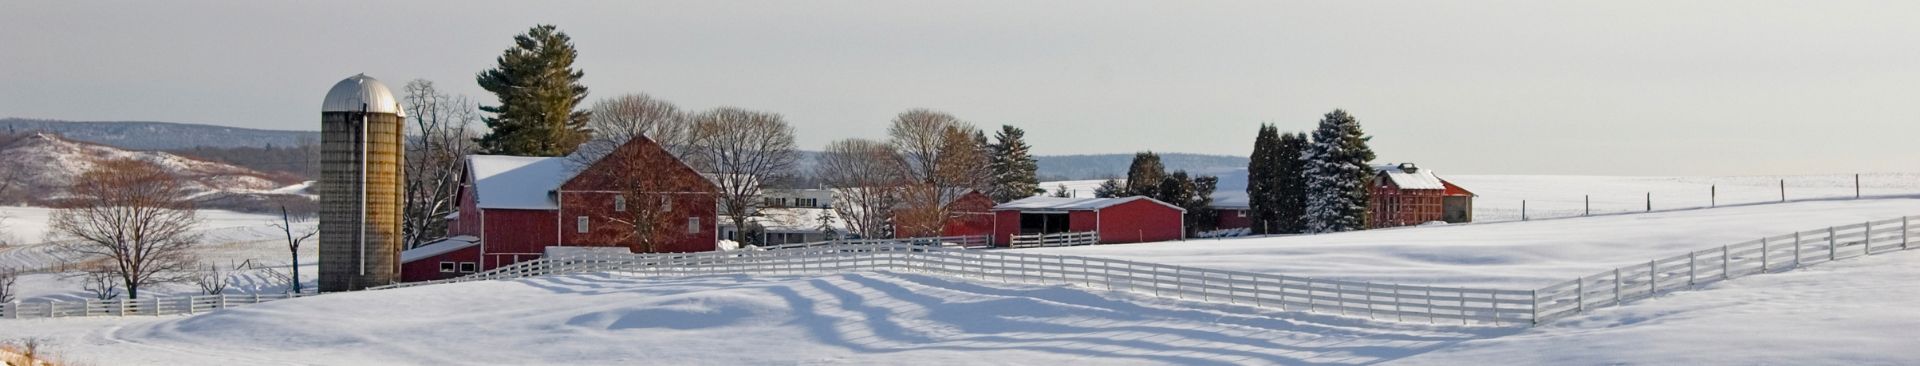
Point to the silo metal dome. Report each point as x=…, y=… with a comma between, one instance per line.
x=351, y=94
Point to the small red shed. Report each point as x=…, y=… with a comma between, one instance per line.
x=1117, y=220
x=1404, y=194
x=512, y=208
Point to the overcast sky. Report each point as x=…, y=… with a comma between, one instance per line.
x=1522, y=87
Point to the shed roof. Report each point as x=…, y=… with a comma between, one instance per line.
x=438, y=247
x=516, y=182
x=1072, y=203
x=1417, y=179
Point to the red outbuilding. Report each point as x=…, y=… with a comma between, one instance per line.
x=1117, y=220
x=1404, y=194
x=513, y=207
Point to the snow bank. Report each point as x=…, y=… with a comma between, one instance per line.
x=1511, y=255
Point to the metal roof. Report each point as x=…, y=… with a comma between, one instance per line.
x=1072, y=204
x=351, y=94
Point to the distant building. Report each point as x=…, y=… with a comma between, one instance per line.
x=1117, y=220
x=1404, y=194
x=513, y=208
x=970, y=213
x=788, y=216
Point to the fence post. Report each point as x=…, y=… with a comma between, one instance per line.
x=11, y=309
x=1903, y=233
x=1535, y=309
x=1866, y=235
x=1523, y=210
x=1691, y=275
x=1833, y=244
x=1763, y=255
x=1713, y=196
x=1724, y=264
x=1616, y=286
x=1653, y=278
x=1796, y=249
x=190, y=304
x=1579, y=295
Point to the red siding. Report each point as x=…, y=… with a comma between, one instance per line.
x=1138, y=221
x=516, y=235
x=1392, y=206
x=598, y=208
x=428, y=269
x=468, y=223
x=1233, y=219
x=1082, y=221
x=1006, y=223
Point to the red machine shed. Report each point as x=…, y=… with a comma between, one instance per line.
x=1117, y=220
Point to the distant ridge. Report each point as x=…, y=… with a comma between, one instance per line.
x=146, y=135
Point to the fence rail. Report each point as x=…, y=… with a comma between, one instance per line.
x=1055, y=240
x=1688, y=271
x=154, y=305
x=959, y=241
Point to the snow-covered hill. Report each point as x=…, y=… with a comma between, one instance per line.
x=51, y=163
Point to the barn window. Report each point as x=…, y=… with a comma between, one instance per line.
x=620, y=203
x=580, y=224
x=1242, y=213
x=446, y=267
x=468, y=267
x=666, y=203
x=693, y=225
x=806, y=202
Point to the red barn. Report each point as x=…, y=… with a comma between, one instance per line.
x=1117, y=220
x=513, y=207
x=1404, y=194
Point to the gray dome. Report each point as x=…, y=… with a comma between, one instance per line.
x=350, y=94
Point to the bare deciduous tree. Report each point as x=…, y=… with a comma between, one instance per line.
x=617, y=119
x=867, y=178
x=8, y=277
x=212, y=280
x=436, y=148
x=644, y=213
x=134, y=216
x=101, y=281
x=294, y=238
x=744, y=150
x=946, y=159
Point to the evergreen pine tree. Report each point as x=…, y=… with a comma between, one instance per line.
x=1290, y=184
x=1062, y=192
x=1263, y=181
x=538, y=89
x=1014, y=168
x=1144, y=175
x=1200, y=213
x=1176, y=189
x=1108, y=189
x=1338, y=175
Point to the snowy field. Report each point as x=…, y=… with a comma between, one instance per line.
x=865, y=318
x=1508, y=255
x=1550, y=196
x=229, y=239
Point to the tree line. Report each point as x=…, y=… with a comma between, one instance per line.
x=1298, y=183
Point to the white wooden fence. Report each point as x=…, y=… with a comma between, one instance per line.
x=1356, y=298
x=1686, y=271
x=967, y=241
x=152, y=305
x=1055, y=239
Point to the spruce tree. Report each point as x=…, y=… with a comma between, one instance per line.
x=1338, y=175
x=1014, y=168
x=1062, y=192
x=1108, y=189
x=1290, y=184
x=1200, y=213
x=538, y=89
x=1176, y=189
x=1263, y=181
x=1145, y=174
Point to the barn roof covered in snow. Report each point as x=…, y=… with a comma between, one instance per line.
x=516, y=182
x=1408, y=176
x=1072, y=204
x=438, y=247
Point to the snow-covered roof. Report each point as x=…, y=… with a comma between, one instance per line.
x=575, y=252
x=361, y=92
x=1418, y=179
x=438, y=247
x=1231, y=200
x=516, y=182
x=1072, y=204
x=793, y=219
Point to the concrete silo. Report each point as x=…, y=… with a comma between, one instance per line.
x=361, y=124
